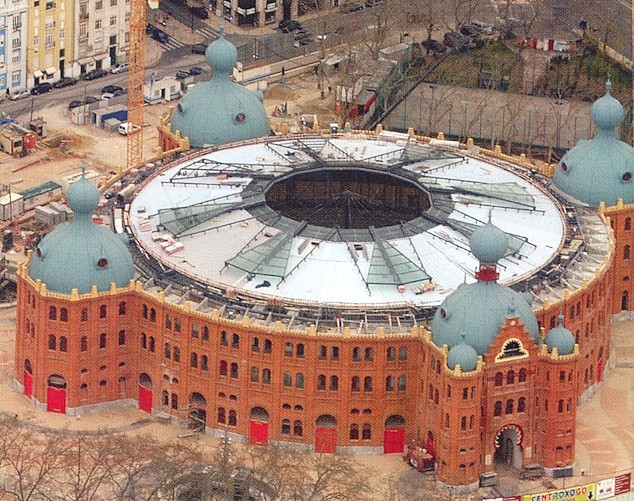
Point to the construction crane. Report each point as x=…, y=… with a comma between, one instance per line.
x=136, y=80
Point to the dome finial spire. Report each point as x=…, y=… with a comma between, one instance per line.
x=83, y=168
x=608, y=84
x=222, y=28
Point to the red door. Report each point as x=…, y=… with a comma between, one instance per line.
x=258, y=432
x=28, y=384
x=56, y=400
x=325, y=440
x=393, y=440
x=145, y=399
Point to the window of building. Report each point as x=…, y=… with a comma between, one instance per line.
x=235, y=341
x=102, y=340
x=234, y=370
x=510, y=377
x=626, y=252
x=52, y=313
x=521, y=404
x=334, y=383
x=178, y=326
x=299, y=350
x=168, y=321
x=299, y=380
x=224, y=338
x=288, y=350
x=255, y=374
x=497, y=408
x=255, y=345
x=402, y=383
x=628, y=223
x=402, y=353
x=223, y=368
x=266, y=376
x=63, y=344
x=389, y=383
x=498, y=379
x=167, y=350
x=83, y=343
x=122, y=308
x=391, y=354
x=286, y=427
x=334, y=353
x=176, y=354
x=562, y=376
x=193, y=362
x=63, y=314
x=113, y=20
x=287, y=379
x=366, y=433
x=205, y=333
x=367, y=383
x=52, y=342
x=560, y=406
x=84, y=314
x=369, y=354
x=268, y=346
x=356, y=383
x=321, y=382
x=465, y=393
x=522, y=376
x=463, y=423
x=204, y=363
x=99, y=5
x=152, y=315
x=322, y=353
x=195, y=330
x=165, y=397
x=356, y=354
x=509, y=406
x=103, y=311
x=298, y=428
x=354, y=432
x=221, y=415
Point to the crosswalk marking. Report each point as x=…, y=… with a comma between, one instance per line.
x=173, y=44
x=208, y=32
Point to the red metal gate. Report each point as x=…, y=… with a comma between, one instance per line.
x=325, y=440
x=258, y=432
x=56, y=400
x=28, y=384
x=393, y=440
x=145, y=399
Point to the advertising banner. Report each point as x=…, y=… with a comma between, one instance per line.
x=587, y=492
x=605, y=488
x=622, y=483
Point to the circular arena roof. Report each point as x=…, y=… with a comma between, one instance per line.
x=342, y=222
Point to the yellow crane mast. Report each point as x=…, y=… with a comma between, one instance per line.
x=136, y=81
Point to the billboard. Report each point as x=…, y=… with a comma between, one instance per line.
x=614, y=486
x=587, y=492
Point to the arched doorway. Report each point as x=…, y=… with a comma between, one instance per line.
x=508, y=450
x=145, y=392
x=56, y=394
x=326, y=433
x=197, y=412
x=28, y=378
x=625, y=301
x=430, y=444
x=259, y=426
x=394, y=434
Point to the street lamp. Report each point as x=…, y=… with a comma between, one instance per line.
x=431, y=110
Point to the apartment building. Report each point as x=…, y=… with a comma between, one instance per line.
x=13, y=36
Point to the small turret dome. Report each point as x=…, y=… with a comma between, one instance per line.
x=606, y=111
x=81, y=254
x=221, y=55
x=489, y=243
x=463, y=355
x=561, y=338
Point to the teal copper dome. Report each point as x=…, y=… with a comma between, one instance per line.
x=602, y=168
x=463, y=355
x=479, y=309
x=561, y=338
x=220, y=111
x=81, y=254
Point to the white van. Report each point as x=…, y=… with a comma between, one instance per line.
x=125, y=128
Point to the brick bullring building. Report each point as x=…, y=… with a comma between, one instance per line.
x=347, y=293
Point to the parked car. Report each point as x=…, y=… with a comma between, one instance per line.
x=65, y=82
x=112, y=89
x=351, y=7
x=196, y=70
x=96, y=73
x=200, y=12
x=160, y=36
x=80, y=102
x=434, y=46
x=481, y=27
x=305, y=41
x=150, y=28
x=19, y=94
x=109, y=95
x=199, y=48
x=41, y=88
x=181, y=74
x=119, y=68
x=372, y=3
x=299, y=35
x=289, y=24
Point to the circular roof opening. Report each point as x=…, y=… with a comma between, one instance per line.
x=348, y=198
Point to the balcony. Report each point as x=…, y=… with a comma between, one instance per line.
x=49, y=45
x=49, y=26
x=50, y=5
x=83, y=38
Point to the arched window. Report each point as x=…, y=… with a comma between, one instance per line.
x=52, y=313
x=63, y=344
x=521, y=404
x=255, y=345
x=356, y=383
x=299, y=380
x=234, y=370
x=178, y=325
x=152, y=315
x=84, y=315
x=204, y=363
x=436, y=395
x=446, y=420
x=63, y=315
x=193, y=360
x=321, y=382
x=122, y=308
x=498, y=379
x=121, y=338
x=354, y=432
x=356, y=354
x=402, y=382
x=223, y=368
x=255, y=374
x=389, y=383
x=233, y=418
x=510, y=377
x=509, y=406
x=299, y=350
x=334, y=383
x=298, y=429
x=288, y=352
x=322, y=352
x=168, y=321
x=174, y=401
x=102, y=340
x=205, y=333
x=560, y=406
x=176, y=354
x=286, y=427
x=628, y=223
x=367, y=383
x=463, y=423
x=152, y=344
x=167, y=351
x=497, y=408
x=366, y=434
x=522, y=375
x=268, y=346
x=235, y=341
x=221, y=415
x=103, y=311
x=471, y=421
x=391, y=354
x=266, y=376
x=144, y=311
x=287, y=380
x=465, y=393
x=626, y=252
x=224, y=338
x=369, y=354
x=334, y=353
x=165, y=398
x=402, y=353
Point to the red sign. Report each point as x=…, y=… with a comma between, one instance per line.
x=622, y=483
